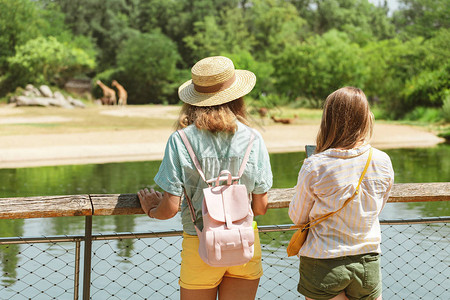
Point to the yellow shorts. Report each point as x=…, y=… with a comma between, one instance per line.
x=195, y=274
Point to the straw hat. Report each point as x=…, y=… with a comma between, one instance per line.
x=215, y=81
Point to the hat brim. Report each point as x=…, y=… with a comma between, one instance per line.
x=244, y=83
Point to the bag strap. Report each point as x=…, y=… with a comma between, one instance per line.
x=191, y=208
x=247, y=154
x=191, y=153
x=322, y=218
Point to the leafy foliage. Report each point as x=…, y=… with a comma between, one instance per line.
x=147, y=64
x=45, y=60
x=422, y=17
x=361, y=20
x=319, y=65
x=15, y=28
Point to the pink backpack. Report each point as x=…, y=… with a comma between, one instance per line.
x=227, y=238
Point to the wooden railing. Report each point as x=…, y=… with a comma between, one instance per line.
x=128, y=204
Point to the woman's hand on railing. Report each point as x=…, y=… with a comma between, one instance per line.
x=149, y=200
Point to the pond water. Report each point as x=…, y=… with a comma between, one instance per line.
x=410, y=165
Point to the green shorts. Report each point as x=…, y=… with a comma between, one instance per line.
x=359, y=276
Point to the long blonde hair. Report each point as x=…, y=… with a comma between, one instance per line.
x=214, y=118
x=346, y=120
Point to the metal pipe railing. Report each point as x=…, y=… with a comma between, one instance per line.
x=76, y=281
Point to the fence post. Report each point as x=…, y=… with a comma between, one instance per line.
x=77, y=271
x=87, y=258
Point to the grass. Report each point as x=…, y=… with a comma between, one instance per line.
x=92, y=118
x=96, y=118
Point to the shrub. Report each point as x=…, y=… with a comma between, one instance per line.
x=319, y=66
x=424, y=114
x=263, y=71
x=147, y=64
x=47, y=61
x=428, y=88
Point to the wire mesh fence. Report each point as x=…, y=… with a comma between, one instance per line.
x=415, y=264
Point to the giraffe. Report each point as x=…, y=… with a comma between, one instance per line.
x=123, y=95
x=108, y=93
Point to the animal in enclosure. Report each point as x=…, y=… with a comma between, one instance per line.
x=262, y=111
x=109, y=95
x=284, y=120
x=123, y=95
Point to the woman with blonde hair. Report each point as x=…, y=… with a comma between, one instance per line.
x=350, y=181
x=213, y=119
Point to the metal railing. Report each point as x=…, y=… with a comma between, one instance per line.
x=145, y=265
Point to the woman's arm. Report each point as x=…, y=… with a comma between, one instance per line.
x=260, y=203
x=157, y=205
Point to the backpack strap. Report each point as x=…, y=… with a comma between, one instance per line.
x=247, y=154
x=192, y=154
x=322, y=218
x=191, y=208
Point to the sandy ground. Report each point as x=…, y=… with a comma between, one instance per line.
x=141, y=145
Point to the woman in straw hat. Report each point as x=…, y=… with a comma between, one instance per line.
x=214, y=120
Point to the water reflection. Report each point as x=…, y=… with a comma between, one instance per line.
x=8, y=253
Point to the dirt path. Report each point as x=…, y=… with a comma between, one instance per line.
x=148, y=144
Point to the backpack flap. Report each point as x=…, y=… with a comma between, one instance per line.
x=227, y=203
x=219, y=242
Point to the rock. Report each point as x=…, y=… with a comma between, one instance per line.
x=44, y=96
x=76, y=102
x=30, y=91
x=13, y=99
x=29, y=87
x=46, y=91
x=59, y=96
x=60, y=100
x=29, y=94
x=28, y=101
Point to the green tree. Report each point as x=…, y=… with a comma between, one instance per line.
x=319, y=66
x=263, y=70
x=45, y=60
x=18, y=24
x=177, y=19
x=275, y=25
x=390, y=64
x=429, y=88
x=147, y=67
x=422, y=17
x=208, y=40
x=107, y=23
x=215, y=35
x=405, y=74
x=360, y=19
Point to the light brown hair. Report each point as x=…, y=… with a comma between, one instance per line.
x=346, y=120
x=214, y=118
